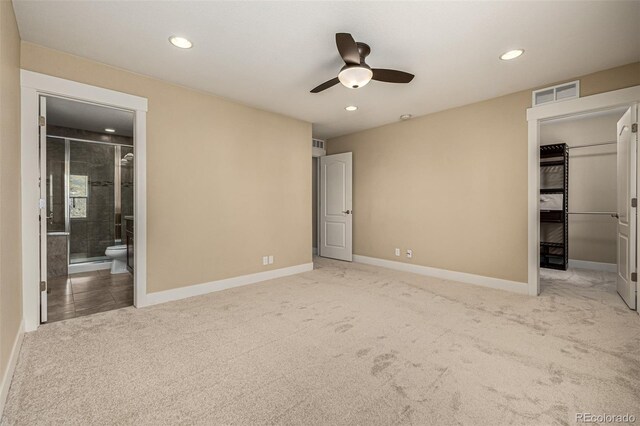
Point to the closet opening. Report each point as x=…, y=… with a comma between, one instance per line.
x=587, y=186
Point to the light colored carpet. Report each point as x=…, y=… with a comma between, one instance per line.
x=343, y=344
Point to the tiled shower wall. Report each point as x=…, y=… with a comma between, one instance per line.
x=55, y=184
x=57, y=264
x=90, y=236
x=56, y=244
x=126, y=182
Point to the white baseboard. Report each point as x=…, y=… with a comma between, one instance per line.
x=88, y=267
x=463, y=277
x=200, y=289
x=596, y=266
x=11, y=366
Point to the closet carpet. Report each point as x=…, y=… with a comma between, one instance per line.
x=343, y=344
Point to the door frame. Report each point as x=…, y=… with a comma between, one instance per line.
x=316, y=159
x=536, y=116
x=349, y=206
x=32, y=86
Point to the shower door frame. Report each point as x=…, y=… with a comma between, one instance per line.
x=34, y=85
x=117, y=193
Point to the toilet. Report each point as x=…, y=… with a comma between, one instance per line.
x=118, y=255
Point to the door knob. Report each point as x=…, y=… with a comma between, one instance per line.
x=347, y=211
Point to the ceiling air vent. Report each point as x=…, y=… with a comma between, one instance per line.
x=318, y=148
x=561, y=92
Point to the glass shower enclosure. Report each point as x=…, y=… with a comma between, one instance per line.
x=89, y=190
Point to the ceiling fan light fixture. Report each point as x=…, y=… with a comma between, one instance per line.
x=356, y=73
x=351, y=108
x=355, y=77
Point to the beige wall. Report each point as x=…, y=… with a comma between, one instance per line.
x=452, y=185
x=227, y=184
x=592, y=183
x=10, y=268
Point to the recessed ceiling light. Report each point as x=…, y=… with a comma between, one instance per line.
x=351, y=108
x=180, y=42
x=110, y=130
x=405, y=116
x=512, y=54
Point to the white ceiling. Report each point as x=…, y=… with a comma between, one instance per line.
x=79, y=115
x=270, y=54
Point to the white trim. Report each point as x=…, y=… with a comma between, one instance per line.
x=200, y=289
x=88, y=267
x=533, y=213
x=84, y=92
x=463, y=277
x=596, y=266
x=535, y=116
x=32, y=86
x=318, y=152
x=140, y=210
x=607, y=100
x=11, y=366
x=318, y=207
x=30, y=209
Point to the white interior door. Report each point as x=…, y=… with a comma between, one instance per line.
x=627, y=208
x=336, y=214
x=43, y=209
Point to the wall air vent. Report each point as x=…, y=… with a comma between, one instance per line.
x=561, y=92
x=318, y=148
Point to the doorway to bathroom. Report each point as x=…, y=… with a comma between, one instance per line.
x=33, y=205
x=86, y=182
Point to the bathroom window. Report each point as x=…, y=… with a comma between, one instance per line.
x=78, y=193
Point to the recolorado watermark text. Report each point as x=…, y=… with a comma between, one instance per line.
x=604, y=418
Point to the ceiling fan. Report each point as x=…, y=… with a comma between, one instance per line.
x=356, y=73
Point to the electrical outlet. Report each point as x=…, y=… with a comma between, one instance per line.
x=265, y=260
x=409, y=253
x=397, y=252
x=270, y=260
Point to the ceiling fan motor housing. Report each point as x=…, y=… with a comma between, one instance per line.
x=363, y=50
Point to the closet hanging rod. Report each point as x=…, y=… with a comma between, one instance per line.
x=612, y=214
x=593, y=144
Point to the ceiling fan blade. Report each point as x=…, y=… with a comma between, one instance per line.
x=325, y=85
x=391, y=76
x=348, y=48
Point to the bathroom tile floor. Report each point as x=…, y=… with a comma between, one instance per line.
x=88, y=293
